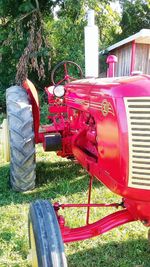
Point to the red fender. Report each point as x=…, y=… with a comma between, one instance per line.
x=32, y=92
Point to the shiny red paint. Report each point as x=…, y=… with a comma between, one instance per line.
x=110, y=165
x=94, y=229
x=89, y=201
x=31, y=90
x=111, y=60
x=93, y=123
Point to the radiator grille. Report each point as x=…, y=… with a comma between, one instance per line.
x=138, y=119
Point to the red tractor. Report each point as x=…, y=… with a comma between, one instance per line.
x=102, y=123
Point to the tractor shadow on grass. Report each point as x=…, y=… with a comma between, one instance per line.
x=63, y=173
x=64, y=179
x=132, y=253
x=52, y=181
x=48, y=172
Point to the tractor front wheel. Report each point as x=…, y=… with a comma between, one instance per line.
x=47, y=249
x=21, y=139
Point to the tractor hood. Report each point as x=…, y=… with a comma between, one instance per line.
x=114, y=87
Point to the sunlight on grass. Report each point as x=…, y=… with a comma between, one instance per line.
x=65, y=181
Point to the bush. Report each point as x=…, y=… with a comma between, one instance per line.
x=2, y=101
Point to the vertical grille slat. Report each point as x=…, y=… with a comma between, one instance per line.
x=138, y=120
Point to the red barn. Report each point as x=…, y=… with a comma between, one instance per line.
x=133, y=54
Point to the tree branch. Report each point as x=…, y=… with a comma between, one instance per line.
x=37, y=4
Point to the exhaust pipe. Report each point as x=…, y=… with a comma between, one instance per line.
x=91, y=38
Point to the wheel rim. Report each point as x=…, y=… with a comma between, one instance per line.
x=33, y=248
x=5, y=141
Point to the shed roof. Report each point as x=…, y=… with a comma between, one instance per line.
x=143, y=36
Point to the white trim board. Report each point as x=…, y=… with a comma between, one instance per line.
x=143, y=36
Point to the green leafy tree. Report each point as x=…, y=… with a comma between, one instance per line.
x=23, y=41
x=34, y=39
x=67, y=31
x=135, y=16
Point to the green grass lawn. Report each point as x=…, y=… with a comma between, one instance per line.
x=59, y=179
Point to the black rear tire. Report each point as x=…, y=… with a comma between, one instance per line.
x=21, y=134
x=45, y=240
